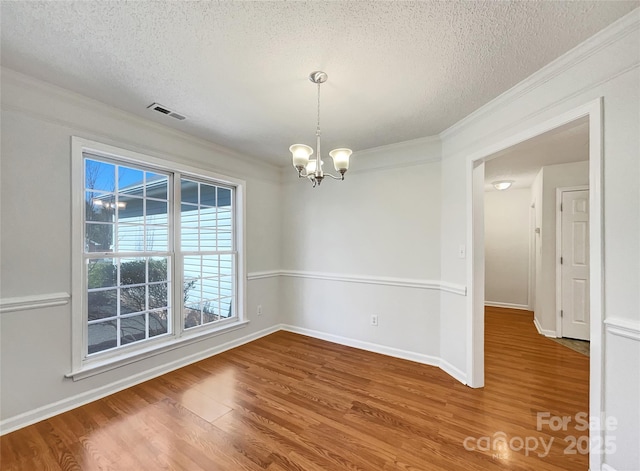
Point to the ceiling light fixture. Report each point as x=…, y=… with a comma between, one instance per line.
x=502, y=184
x=301, y=153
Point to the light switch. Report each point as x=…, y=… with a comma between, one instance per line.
x=462, y=251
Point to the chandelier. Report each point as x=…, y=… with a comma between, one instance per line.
x=312, y=168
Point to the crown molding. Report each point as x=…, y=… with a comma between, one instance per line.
x=394, y=166
x=413, y=143
x=609, y=35
x=403, y=154
x=12, y=77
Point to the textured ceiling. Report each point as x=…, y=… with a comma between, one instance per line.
x=238, y=70
x=522, y=162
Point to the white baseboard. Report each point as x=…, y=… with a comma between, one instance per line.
x=547, y=333
x=523, y=307
x=606, y=467
x=453, y=371
x=42, y=413
x=362, y=345
x=383, y=349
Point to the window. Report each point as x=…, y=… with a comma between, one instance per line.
x=159, y=260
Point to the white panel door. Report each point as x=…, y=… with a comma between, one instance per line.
x=575, y=264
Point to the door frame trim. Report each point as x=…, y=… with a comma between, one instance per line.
x=531, y=282
x=559, y=192
x=475, y=256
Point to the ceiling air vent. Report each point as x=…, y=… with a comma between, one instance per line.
x=164, y=110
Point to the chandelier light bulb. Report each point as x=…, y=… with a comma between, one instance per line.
x=340, y=159
x=301, y=154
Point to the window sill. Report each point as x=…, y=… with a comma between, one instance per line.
x=97, y=367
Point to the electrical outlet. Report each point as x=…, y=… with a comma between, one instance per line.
x=259, y=311
x=374, y=320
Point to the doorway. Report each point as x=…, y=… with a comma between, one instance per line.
x=475, y=265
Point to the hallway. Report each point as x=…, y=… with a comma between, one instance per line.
x=527, y=374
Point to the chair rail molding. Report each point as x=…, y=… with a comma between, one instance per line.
x=34, y=301
x=623, y=328
x=379, y=280
x=259, y=275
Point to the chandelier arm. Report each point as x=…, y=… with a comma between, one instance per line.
x=341, y=177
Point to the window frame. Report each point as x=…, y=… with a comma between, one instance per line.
x=84, y=365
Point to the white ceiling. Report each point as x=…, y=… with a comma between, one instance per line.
x=522, y=162
x=238, y=70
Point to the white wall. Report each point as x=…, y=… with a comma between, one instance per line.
x=38, y=121
x=377, y=236
x=553, y=177
x=604, y=66
x=506, y=242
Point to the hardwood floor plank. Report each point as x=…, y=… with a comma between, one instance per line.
x=287, y=402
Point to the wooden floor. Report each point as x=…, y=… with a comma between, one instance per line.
x=289, y=402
